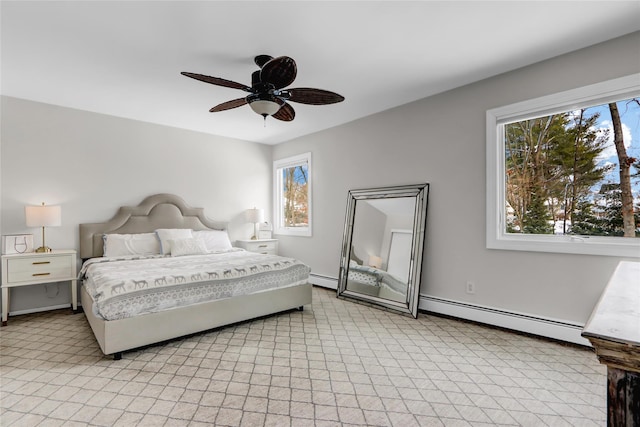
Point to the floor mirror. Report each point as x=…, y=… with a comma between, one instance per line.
x=383, y=245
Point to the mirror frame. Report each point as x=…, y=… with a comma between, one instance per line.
x=421, y=193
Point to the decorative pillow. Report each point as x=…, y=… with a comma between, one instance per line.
x=180, y=247
x=167, y=234
x=130, y=244
x=214, y=240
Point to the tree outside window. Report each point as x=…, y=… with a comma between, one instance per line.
x=575, y=172
x=292, y=195
x=563, y=171
x=295, y=193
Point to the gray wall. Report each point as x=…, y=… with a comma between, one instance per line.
x=441, y=140
x=91, y=163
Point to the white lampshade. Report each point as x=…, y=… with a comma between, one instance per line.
x=375, y=261
x=255, y=215
x=43, y=216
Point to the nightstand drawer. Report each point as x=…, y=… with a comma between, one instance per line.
x=27, y=269
x=261, y=246
x=269, y=247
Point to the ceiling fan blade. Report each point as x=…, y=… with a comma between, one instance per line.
x=280, y=72
x=260, y=60
x=234, y=103
x=286, y=113
x=217, y=81
x=311, y=96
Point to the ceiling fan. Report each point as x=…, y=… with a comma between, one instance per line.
x=267, y=95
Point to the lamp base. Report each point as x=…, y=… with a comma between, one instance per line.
x=44, y=249
x=254, y=237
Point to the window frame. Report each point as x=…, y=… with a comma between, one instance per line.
x=496, y=235
x=278, y=212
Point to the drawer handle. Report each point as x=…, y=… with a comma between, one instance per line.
x=41, y=262
x=41, y=274
x=262, y=246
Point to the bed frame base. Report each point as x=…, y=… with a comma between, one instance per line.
x=117, y=336
x=118, y=355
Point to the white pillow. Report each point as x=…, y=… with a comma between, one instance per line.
x=130, y=244
x=180, y=247
x=214, y=240
x=166, y=234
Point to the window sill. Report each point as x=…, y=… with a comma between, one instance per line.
x=583, y=245
x=301, y=232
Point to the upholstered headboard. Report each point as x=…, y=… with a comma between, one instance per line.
x=157, y=211
x=354, y=257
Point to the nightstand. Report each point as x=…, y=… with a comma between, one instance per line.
x=262, y=246
x=36, y=268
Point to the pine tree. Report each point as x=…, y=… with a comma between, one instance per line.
x=611, y=202
x=584, y=221
x=610, y=210
x=551, y=165
x=574, y=159
x=538, y=219
x=527, y=147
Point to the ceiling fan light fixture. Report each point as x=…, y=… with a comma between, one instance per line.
x=264, y=107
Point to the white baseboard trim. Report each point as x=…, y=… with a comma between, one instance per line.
x=39, y=309
x=323, y=281
x=536, y=325
x=550, y=328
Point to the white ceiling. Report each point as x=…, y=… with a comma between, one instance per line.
x=125, y=58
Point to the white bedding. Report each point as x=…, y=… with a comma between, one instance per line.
x=128, y=286
x=375, y=277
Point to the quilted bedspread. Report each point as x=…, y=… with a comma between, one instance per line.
x=125, y=287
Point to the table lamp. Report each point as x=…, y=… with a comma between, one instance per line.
x=43, y=216
x=375, y=261
x=255, y=216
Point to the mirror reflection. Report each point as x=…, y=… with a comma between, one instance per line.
x=382, y=246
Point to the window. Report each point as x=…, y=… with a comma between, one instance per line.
x=292, y=192
x=554, y=181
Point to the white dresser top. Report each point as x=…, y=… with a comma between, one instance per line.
x=617, y=314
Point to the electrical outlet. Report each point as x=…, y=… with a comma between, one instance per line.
x=471, y=287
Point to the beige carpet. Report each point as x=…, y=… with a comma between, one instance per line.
x=337, y=363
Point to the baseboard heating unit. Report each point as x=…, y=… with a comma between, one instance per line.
x=549, y=328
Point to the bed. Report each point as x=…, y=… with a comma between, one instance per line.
x=221, y=286
x=376, y=282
